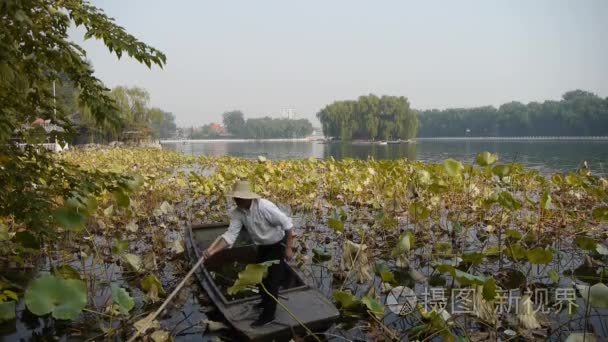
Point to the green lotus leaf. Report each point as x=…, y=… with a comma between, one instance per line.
x=486, y=158
x=122, y=298
x=321, y=255
x=133, y=262
x=418, y=211
x=374, y=307
x=553, y=275
x=7, y=311
x=120, y=246
x=346, y=300
x=586, y=243
x=489, y=289
x=3, y=232
x=336, y=224
x=453, y=167
x=502, y=170
x=151, y=281
x=539, y=256
x=63, y=298
x=507, y=201
x=545, y=200
x=122, y=199
x=388, y=277
x=252, y=275
x=474, y=258
x=70, y=218
x=596, y=295
x=515, y=252
x=67, y=272
x=600, y=214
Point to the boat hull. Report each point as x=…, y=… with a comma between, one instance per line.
x=303, y=301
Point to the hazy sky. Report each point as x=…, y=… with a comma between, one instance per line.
x=263, y=57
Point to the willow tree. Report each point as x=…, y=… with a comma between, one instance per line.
x=35, y=52
x=369, y=117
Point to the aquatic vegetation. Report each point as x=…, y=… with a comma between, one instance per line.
x=367, y=227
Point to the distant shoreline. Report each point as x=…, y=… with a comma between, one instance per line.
x=321, y=139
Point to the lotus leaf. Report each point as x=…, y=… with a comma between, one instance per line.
x=122, y=298
x=63, y=298
x=486, y=158
x=404, y=244
x=374, y=307
x=7, y=311
x=596, y=295
x=67, y=272
x=320, y=255
x=539, y=256
x=252, y=275
x=453, y=167
x=346, y=300
x=133, y=262
x=600, y=214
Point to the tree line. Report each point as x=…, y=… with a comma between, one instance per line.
x=135, y=118
x=578, y=113
x=236, y=126
x=370, y=117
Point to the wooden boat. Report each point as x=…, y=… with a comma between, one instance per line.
x=307, y=303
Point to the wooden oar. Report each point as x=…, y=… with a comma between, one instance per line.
x=162, y=307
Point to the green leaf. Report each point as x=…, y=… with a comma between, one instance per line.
x=507, y=201
x=150, y=282
x=251, y=276
x=3, y=232
x=346, y=300
x=597, y=294
x=418, y=211
x=320, y=255
x=388, y=277
x=120, y=246
x=7, y=311
x=404, y=245
x=545, y=201
x=501, y=170
x=539, y=256
x=122, y=199
x=67, y=272
x=336, y=224
x=133, y=262
x=489, y=289
x=453, y=167
x=515, y=252
x=122, y=298
x=553, y=276
x=374, y=307
x=486, y=158
x=27, y=240
x=474, y=258
x=70, y=218
x=600, y=214
x=63, y=298
x=586, y=243
x=513, y=234
x=424, y=177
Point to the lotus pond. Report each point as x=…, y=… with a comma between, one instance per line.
x=407, y=250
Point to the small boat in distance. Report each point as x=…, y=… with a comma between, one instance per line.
x=305, y=302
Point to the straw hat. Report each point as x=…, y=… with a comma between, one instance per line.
x=242, y=189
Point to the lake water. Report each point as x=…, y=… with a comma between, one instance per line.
x=546, y=155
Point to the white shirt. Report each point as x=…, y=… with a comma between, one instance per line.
x=264, y=221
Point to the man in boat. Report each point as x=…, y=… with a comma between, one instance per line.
x=271, y=230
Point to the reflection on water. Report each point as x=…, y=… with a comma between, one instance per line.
x=546, y=156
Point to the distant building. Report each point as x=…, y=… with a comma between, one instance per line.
x=217, y=128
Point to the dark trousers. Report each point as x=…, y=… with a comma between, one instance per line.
x=277, y=274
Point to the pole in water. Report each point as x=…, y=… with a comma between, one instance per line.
x=166, y=302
